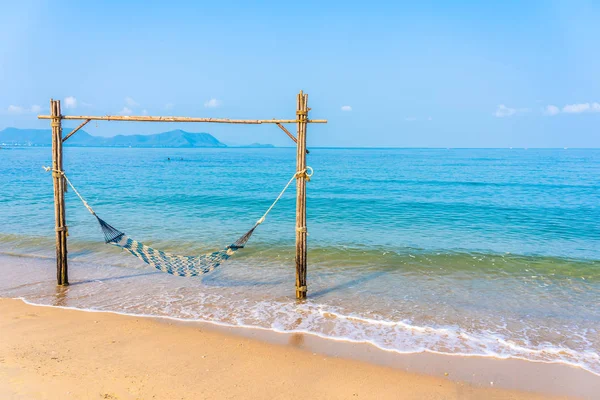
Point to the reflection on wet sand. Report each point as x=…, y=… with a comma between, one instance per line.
x=60, y=299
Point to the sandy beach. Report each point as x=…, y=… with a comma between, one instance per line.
x=53, y=353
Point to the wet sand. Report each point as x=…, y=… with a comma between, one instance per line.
x=54, y=353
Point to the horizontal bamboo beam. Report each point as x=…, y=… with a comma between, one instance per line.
x=76, y=129
x=283, y=128
x=145, y=118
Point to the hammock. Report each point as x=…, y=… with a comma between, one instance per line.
x=171, y=263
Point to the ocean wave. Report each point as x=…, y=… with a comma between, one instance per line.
x=383, y=258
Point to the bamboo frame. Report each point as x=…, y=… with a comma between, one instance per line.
x=301, y=178
x=283, y=128
x=74, y=131
x=147, y=118
x=60, y=225
x=59, y=183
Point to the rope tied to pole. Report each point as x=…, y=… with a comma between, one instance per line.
x=304, y=174
x=55, y=121
x=56, y=172
x=295, y=176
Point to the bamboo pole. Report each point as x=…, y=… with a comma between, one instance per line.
x=74, y=131
x=301, y=178
x=283, y=128
x=58, y=180
x=146, y=118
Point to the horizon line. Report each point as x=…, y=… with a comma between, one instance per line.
x=268, y=146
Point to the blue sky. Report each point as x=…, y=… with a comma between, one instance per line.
x=402, y=74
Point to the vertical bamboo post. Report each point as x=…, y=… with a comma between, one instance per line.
x=59, y=195
x=301, y=178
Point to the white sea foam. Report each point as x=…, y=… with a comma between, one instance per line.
x=492, y=344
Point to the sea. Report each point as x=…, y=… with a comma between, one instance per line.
x=479, y=252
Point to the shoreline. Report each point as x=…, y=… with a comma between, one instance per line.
x=439, y=376
x=479, y=369
x=417, y=361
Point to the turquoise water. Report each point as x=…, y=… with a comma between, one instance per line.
x=481, y=252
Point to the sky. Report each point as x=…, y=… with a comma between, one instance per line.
x=384, y=74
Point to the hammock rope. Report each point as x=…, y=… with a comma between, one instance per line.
x=171, y=263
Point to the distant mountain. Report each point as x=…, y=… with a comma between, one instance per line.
x=176, y=138
x=32, y=137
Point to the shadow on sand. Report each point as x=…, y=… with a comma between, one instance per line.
x=347, y=284
x=114, y=278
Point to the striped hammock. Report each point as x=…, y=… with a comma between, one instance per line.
x=171, y=263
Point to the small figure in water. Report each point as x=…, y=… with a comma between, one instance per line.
x=168, y=158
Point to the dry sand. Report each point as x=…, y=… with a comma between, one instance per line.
x=53, y=353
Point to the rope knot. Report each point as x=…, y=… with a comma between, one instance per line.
x=55, y=172
x=304, y=174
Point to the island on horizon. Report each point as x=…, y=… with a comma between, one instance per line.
x=171, y=139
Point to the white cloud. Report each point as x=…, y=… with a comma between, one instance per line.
x=131, y=102
x=581, y=107
x=70, y=102
x=576, y=108
x=15, y=109
x=212, y=103
x=346, y=108
x=503, y=111
x=551, y=110
x=12, y=109
x=125, y=111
